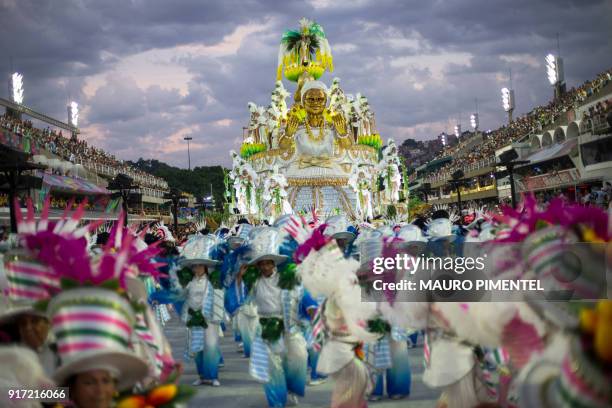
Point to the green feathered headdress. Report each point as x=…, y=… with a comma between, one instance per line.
x=306, y=49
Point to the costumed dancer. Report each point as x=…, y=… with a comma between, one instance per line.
x=278, y=357
x=152, y=285
x=90, y=315
x=148, y=340
x=337, y=227
x=390, y=360
x=26, y=373
x=339, y=325
x=389, y=355
x=24, y=280
x=410, y=238
x=244, y=315
x=201, y=314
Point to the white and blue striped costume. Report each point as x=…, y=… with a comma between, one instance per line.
x=281, y=365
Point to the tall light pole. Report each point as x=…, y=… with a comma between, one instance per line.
x=474, y=122
x=554, y=71
x=73, y=117
x=188, y=138
x=508, y=102
x=457, y=181
x=16, y=94
x=508, y=159
x=458, y=131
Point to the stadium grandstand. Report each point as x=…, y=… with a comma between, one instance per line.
x=68, y=169
x=567, y=145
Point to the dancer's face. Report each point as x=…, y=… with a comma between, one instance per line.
x=266, y=267
x=33, y=330
x=199, y=270
x=93, y=389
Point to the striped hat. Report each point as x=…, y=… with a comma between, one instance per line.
x=93, y=328
x=241, y=235
x=265, y=243
x=338, y=227
x=440, y=229
x=25, y=282
x=29, y=281
x=201, y=249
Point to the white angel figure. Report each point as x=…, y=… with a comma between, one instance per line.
x=354, y=119
x=275, y=194
x=364, y=107
x=253, y=127
x=361, y=182
x=390, y=152
x=262, y=126
x=390, y=171
x=359, y=115
x=273, y=124
x=335, y=92
x=245, y=186
x=392, y=179
x=237, y=162
x=281, y=101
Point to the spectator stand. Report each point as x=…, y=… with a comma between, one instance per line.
x=567, y=141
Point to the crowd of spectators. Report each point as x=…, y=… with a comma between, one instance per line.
x=59, y=202
x=599, y=196
x=534, y=121
x=599, y=115
x=76, y=151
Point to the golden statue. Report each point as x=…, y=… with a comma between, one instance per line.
x=315, y=121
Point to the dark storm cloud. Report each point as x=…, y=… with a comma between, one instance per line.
x=420, y=63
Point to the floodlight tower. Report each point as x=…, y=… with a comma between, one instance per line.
x=474, y=121
x=17, y=88
x=458, y=130
x=508, y=102
x=443, y=139
x=16, y=93
x=554, y=71
x=73, y=117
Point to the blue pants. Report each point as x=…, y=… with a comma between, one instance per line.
x=313, y=359
x=399, y=377
x=288, y=371
x=207, y=360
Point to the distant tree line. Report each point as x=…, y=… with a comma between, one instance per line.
x=198, y=181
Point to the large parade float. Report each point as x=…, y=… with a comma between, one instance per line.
x=315, y=148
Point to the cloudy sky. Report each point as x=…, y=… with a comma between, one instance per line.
x=148, y=73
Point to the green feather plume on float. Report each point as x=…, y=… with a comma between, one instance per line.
x=306, y=49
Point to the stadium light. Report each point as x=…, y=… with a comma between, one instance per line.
x=474, y=120
x=507, y=99
x=457, y=130
x=551, y=69
x=73, y=113
x=443, y=139
x=508, y=102
x=554, y=69
x=17, y=88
